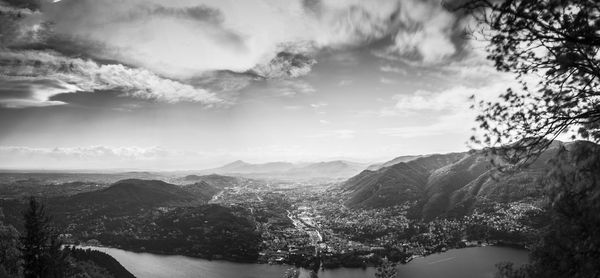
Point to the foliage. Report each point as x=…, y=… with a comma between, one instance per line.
x=552, y=46
x=10, y=254
x=93, y=261
x=387, y=269
x=570, y=246
x=41, y=248
x=557, y=44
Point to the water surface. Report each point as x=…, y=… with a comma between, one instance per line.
x=459, y=263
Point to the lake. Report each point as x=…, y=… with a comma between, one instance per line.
x=457, y=263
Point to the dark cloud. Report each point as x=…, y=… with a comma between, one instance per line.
x=75, y=75
x=201, y=13
x=285, y=65
x=24, y=4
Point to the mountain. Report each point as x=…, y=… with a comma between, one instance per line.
x=126, y=195
x=143, y=192
x=394, y=161
x=395, y=184
x=330, y=169
x=337, y=169
x=214, y=180
x=202, y=190
x=447, y=184
x=241, y=167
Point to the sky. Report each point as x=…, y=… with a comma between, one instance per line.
x=193, y=84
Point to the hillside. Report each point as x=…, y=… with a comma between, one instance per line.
x=447, y=185
x=395, y=184
x=135, y=191
x=214, y=180
x=202, y=190
x=405, y=158
x=126, y=196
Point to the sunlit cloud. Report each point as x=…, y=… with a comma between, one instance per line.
x=75, y=75
x=223, y=35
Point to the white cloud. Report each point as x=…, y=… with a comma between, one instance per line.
x=318, y=105
x=449, y=109
x=388, y=68
x=92, y=156
x=387, y=81
x=291, y=87
x=74, y=74
x=455, y=98
x=185, y=38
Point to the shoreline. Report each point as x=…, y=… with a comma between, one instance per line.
x=411, y=258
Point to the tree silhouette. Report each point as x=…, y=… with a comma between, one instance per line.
x=552, y=46
x=556, y=43
x=10, y=255
x=41, y=248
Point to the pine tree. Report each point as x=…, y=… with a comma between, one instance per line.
x=41, y=248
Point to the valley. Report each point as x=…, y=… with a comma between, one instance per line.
x=412, y=207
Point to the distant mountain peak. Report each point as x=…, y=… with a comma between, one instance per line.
x=236, y=163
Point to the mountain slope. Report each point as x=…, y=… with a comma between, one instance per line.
x=202, y=190
x=394, y=161
x=395, y=184
x=142, y=192
x=125, y=196
x=214, y=180
x=448, y=185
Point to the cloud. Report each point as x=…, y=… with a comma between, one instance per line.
x=285, y=65
x=188, y=50
x=454, y=99
x=388, y=68
x=387, y=81
x=75, y=74
x=186, y=38
x=97, y=157
x=318, y=105
x=36, y=93
x=448, y=110
x=290, y=87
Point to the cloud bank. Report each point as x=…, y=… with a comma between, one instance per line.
x=67, y=75
x=171, y=51
x=183, y=38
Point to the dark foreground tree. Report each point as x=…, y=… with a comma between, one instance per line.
x=569, y=246
x=387, y=269
x=553, y=47
x=10, y=254
x=41, y=248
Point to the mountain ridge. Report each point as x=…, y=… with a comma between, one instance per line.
x=448, y=184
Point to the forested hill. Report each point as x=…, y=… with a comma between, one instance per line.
x=447, y=184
